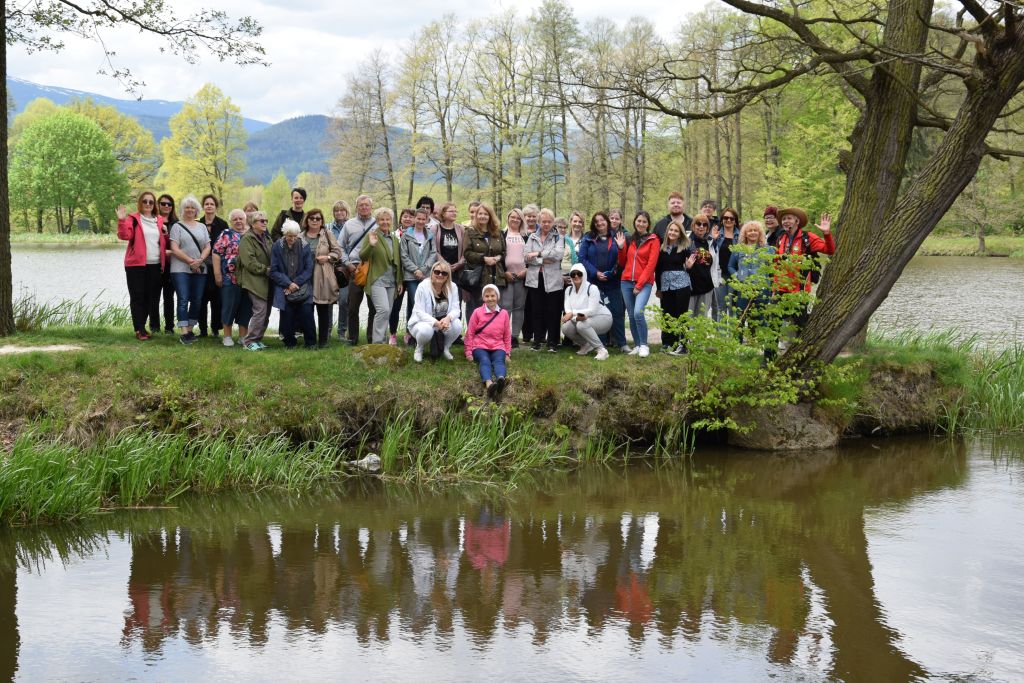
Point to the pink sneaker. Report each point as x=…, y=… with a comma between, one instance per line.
x=393, y=341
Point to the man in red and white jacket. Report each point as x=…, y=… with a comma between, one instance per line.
x=795, y=242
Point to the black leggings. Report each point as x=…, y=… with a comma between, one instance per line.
x=169, y=310
x=144, y=285
x=211, y=299
x=674, y=303
x=547, y=313
x=323, y=322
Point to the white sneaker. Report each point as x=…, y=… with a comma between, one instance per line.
x=228, y=341
x=448, y=355
x=417, y=355
x=602, y=354
x=644, y=351
x=626, y=348
x=585, y=349
x=635, y=351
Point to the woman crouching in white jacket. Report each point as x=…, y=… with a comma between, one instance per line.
x=436, y=314
x=586, y=317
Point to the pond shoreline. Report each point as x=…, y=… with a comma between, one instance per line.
x=161, y=406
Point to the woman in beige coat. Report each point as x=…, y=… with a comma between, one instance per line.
x=326, y=256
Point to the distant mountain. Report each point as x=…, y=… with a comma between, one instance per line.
x=152, y=114
x=294, y=145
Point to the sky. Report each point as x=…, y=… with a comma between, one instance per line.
x=312, y=46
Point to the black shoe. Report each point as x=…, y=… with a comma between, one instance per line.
x=500, y=383
x=492, y=391
x=515, y=343
x=188, y=338
x=535, y=347
x=202, y=333
x=322, y=345
x=552, y=349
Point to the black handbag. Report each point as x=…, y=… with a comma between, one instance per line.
x=470, y=277
x=299, y=296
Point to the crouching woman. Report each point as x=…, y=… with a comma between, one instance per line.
x=436, y=312
x=586, y=317
x=489, y=340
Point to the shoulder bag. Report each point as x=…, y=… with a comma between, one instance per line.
x=363, y=269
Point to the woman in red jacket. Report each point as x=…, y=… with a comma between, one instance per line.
x=143, y=260
x=638, y=257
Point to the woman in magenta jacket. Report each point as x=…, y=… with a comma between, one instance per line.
x=144, y=260
x=638, y=257
x=489, y=340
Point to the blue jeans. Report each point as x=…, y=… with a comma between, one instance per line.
x=188, y=288
x=235, y=307
x=635, y=305
x=615, y=306
x=492, y=363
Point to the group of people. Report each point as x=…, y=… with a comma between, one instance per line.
x=536, y=280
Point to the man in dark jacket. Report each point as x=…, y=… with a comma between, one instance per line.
x=675, y=213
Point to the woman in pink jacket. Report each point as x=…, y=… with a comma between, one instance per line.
x=144, y=260
x=489, y=341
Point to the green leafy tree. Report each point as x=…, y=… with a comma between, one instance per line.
x=38, y=25
x=86, y=179
x=205, y=150
x=134, y=147
x=277, y=194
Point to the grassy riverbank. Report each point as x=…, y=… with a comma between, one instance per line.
x=120, y=423
x=958, y=245
x=75, y=239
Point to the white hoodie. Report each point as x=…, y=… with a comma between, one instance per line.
x=586, y=300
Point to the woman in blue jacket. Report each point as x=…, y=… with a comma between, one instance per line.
x=599, y=254
x=291, y=272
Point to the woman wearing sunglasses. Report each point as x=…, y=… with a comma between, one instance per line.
x=436, y=314
x=144, y=260
x=586, y=317
x=165, y=209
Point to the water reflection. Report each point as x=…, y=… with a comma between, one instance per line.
x=763, y=555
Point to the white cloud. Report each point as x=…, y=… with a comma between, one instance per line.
x=311, y=46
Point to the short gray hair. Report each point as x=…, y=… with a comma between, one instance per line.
x=531, y=208
x=238, y=211
x=290, y=227
x=190, y=200
x=257, y=216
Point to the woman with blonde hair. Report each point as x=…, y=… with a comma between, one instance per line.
x=672, y=278
x=745, y=264
x=436, y=314
x=513, y=297
x=384, y=278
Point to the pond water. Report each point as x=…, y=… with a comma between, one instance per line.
x=978, y=295
x=887, y=561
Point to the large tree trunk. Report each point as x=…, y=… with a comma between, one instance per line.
x=858, y=279
x=6, y=276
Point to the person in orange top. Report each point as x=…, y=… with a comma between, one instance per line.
x=795, y=242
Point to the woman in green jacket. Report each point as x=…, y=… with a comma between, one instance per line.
x=253, y=277
x=485, y=254
x=384, y=278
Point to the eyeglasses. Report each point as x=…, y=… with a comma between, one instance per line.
x=147, y=202
x=575, y=276
x=261, y=220
x=316, y=218
x=729, y=218
x=166, y=204
x=439, y=273
x=700, y=225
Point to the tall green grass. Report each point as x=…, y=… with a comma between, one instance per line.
x=52, y=480
x=995, y=392
x=31, y=315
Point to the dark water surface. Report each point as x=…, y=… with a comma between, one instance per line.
x=891, y=561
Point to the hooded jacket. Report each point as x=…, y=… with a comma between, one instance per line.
x=415, y=256
x=586, y=300
x=551, y=248
x=638, y=262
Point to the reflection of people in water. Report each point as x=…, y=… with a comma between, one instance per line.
x=487, y=539
x=632, y=598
